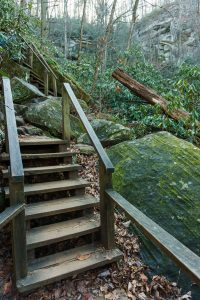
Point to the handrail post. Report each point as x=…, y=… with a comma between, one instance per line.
x=55, y=90
x=46, y=82
x=106, y=208
x=30, y=58
x=66, y=128
x=16, y=188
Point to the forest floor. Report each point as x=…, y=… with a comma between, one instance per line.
x=124, y=280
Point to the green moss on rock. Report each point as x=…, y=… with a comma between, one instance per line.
x=108, y=132
x=48, y=115
x=160, y=175
x=23, y=91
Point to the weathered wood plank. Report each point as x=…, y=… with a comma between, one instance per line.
x=184, y=257
x=66, y=264
x=51, y=186
x=46, y=170
x=5, y=157
x=95, y=141
x=40, y=141
x=10, y=213
x=62, y=231
x=58, y=206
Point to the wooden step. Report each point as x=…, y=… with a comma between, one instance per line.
x=40, y=141
x=47, y=170
x=58, y=206
x=51, y=186
x=5, y=157
x=65, y=264
x=48, y=234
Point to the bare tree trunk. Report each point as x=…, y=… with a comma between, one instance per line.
x=81, y=31
x=102, y=44
x=44, y=25
x=65, y=28
x=133, y=21
x=37, y=8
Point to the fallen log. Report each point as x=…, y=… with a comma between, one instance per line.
x=150, y=96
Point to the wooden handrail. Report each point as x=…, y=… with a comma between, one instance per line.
x=105, y=165
x=10, y=213
x=16, y=167
x=184, y=257
x=16, y=186
x=90, y=131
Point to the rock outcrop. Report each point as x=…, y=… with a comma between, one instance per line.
x=170, y=34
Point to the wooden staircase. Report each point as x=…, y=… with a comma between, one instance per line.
x=57, y=210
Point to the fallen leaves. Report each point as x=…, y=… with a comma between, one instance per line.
x=122, y=281
x=83, y=257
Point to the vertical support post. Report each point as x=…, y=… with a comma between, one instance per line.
x=46, y=82
x=106, y=208
x=18, y=229
x=31, y=58
x=55, y=90
x=66, y=128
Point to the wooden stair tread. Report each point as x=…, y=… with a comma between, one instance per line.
x=51, y=186
x=5, y=156
x=65, y=264
x=53, y=207
x=39, y=140
x=48, y=234
x=47, y=169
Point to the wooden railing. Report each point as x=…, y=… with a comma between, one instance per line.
x=180, y=254
x=47, y=73
x=16, y=211
x=105, y=165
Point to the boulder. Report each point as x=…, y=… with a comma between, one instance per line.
x=48, y=116
x=85, y=149
x=23, y=91
x=160, y=175
x=108, y=132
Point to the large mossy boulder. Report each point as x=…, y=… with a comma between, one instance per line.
x=23, y=91
x=160, y=175
x=47, y=115
x=108, y=132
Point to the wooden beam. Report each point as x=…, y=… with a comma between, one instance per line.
x=106, y=209
x=183, y=256
x=66, y=127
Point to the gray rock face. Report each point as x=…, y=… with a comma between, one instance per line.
x=170, y=34
x=48, y=115
x=24, y=91
x=108, y=132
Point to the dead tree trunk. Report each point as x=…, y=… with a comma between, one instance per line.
x=81, y=31
x=102, y=44
x=150, y=96
x=134, y=17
